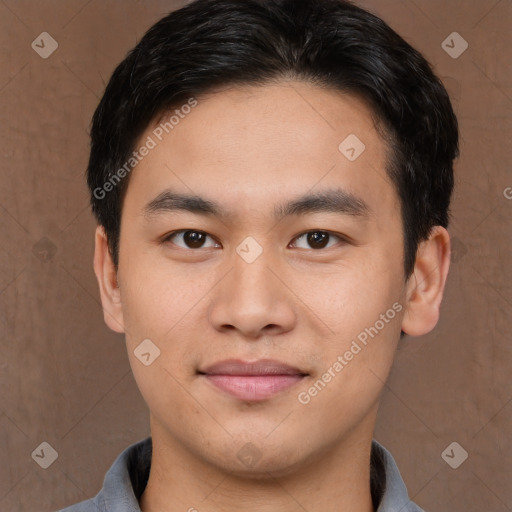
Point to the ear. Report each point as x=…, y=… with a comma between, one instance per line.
x=425, y=286
x=107, y=280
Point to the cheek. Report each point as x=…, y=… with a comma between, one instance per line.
x=161, y=305
x=166, y=395
x=156, y=300
x=354, y=370
x=350, y=298
x=357, y=316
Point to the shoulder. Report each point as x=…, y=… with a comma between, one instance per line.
x=89, y=505
x=394, y=496
x=124, y=482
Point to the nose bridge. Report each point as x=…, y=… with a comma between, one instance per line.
x=251, y=297
x=252, y=276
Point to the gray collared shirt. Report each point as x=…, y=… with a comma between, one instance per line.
x=126, y=480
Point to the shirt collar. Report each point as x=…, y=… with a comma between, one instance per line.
x=126, y=480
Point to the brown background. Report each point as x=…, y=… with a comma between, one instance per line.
x=65, y=377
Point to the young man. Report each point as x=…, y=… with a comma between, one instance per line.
x=271, y=181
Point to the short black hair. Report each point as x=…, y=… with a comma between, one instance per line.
x=330, y=43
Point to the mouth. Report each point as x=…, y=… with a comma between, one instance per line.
x=252, y=381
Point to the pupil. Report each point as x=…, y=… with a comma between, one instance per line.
x=313, y=239
x=194, y=238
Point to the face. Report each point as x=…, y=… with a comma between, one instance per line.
x=312, y=294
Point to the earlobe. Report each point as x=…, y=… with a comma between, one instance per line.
x=107, y=281
x=425, y=287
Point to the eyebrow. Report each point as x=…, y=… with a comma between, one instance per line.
x=337, y=201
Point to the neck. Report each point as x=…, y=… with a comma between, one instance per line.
x=336, y=480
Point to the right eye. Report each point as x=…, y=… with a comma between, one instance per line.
x=192, y=239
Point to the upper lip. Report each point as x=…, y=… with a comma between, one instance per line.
x=260, y=367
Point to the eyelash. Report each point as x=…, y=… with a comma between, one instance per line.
x=169, y=236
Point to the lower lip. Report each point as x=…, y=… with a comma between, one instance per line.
x=253, y=387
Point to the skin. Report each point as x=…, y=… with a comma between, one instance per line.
x=249, y=149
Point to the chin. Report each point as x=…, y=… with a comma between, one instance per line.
x=258, y=460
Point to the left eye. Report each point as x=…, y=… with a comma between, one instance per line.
x=317, y=239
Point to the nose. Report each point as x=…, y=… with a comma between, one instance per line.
x=253, y=299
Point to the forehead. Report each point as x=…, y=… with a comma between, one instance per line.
x=250, y=146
